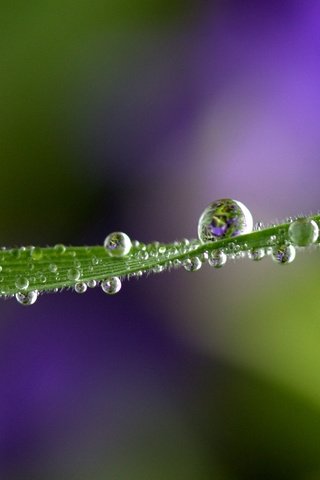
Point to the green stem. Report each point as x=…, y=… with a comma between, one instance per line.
x=50, y=268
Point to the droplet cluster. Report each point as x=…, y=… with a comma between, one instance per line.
x=34, y=269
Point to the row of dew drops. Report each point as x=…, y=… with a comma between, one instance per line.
x=222, y=219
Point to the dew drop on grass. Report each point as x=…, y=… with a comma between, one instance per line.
x=59, y=249
x=117, y=244
x=256, y=254
x=36, y=253
x=27, y=298
x=284, y=254
x=192, y=264
x=22, y=283
x=303, y=232
x=224, y=218
x=53, y=268
x=73, y=274
x=217, y=258
x=111, y=285
x=80, y=287
x=92, y=283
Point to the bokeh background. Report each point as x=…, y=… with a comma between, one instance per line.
x=133, y=115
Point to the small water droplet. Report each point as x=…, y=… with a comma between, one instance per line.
x=135, y=243
x=80, y=287
x=224, y=218
x=256, y=254
x=284, y=254
x=60, y=249
x=27, y=298
x=258, y=226
x=53, y=268
x=143, y=255
x=92, y=283
x=217, y=258
x=42, y=278
x=117, y=244
x=22, y=283
x=36, y=253
x=158, y=268
x=73, y=274
x=111, y=285
x=162, y=249
x=192, y=264
x=303, y=232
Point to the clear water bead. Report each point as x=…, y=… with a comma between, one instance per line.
x=256, y=254
x=92, y=283
x=284, y=254
x=217, y=258
x=80, y=287
x=117, y=244
x=224, y=218
x=73, y=274
x=303, y=232
x=36, y=253
x=111, y=285
x=192, y=264
x=27, y=298
x=22, y=283
x=60, y=249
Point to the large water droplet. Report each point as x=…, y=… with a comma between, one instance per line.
x=303, y=232
x=111, y=285
x=224, y=218
x=284, y=254
x=192, y=264
x=27, y=298
x=118, y=244
x=217, y=258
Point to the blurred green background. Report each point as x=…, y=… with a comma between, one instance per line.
x=133, y=116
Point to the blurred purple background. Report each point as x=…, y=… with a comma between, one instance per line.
x=134, y=116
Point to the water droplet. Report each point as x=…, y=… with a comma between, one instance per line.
x=217, y=258
x=135, y=243
x=303, y=232
x=27, y=298
x=80, y=287
x=143, y=255
x=284, y=254
x=92, y=283
x=59, y=249
x=53, y=268
x=224, y=218
x=256, y=254
x=192, y=264
x=118, y=244
x=73, y=274
x=22, y=283
x=42, y=278
x=162, y=249
x=258, y=226
x=158, y=268
x=36, y=253
x=111, y=285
